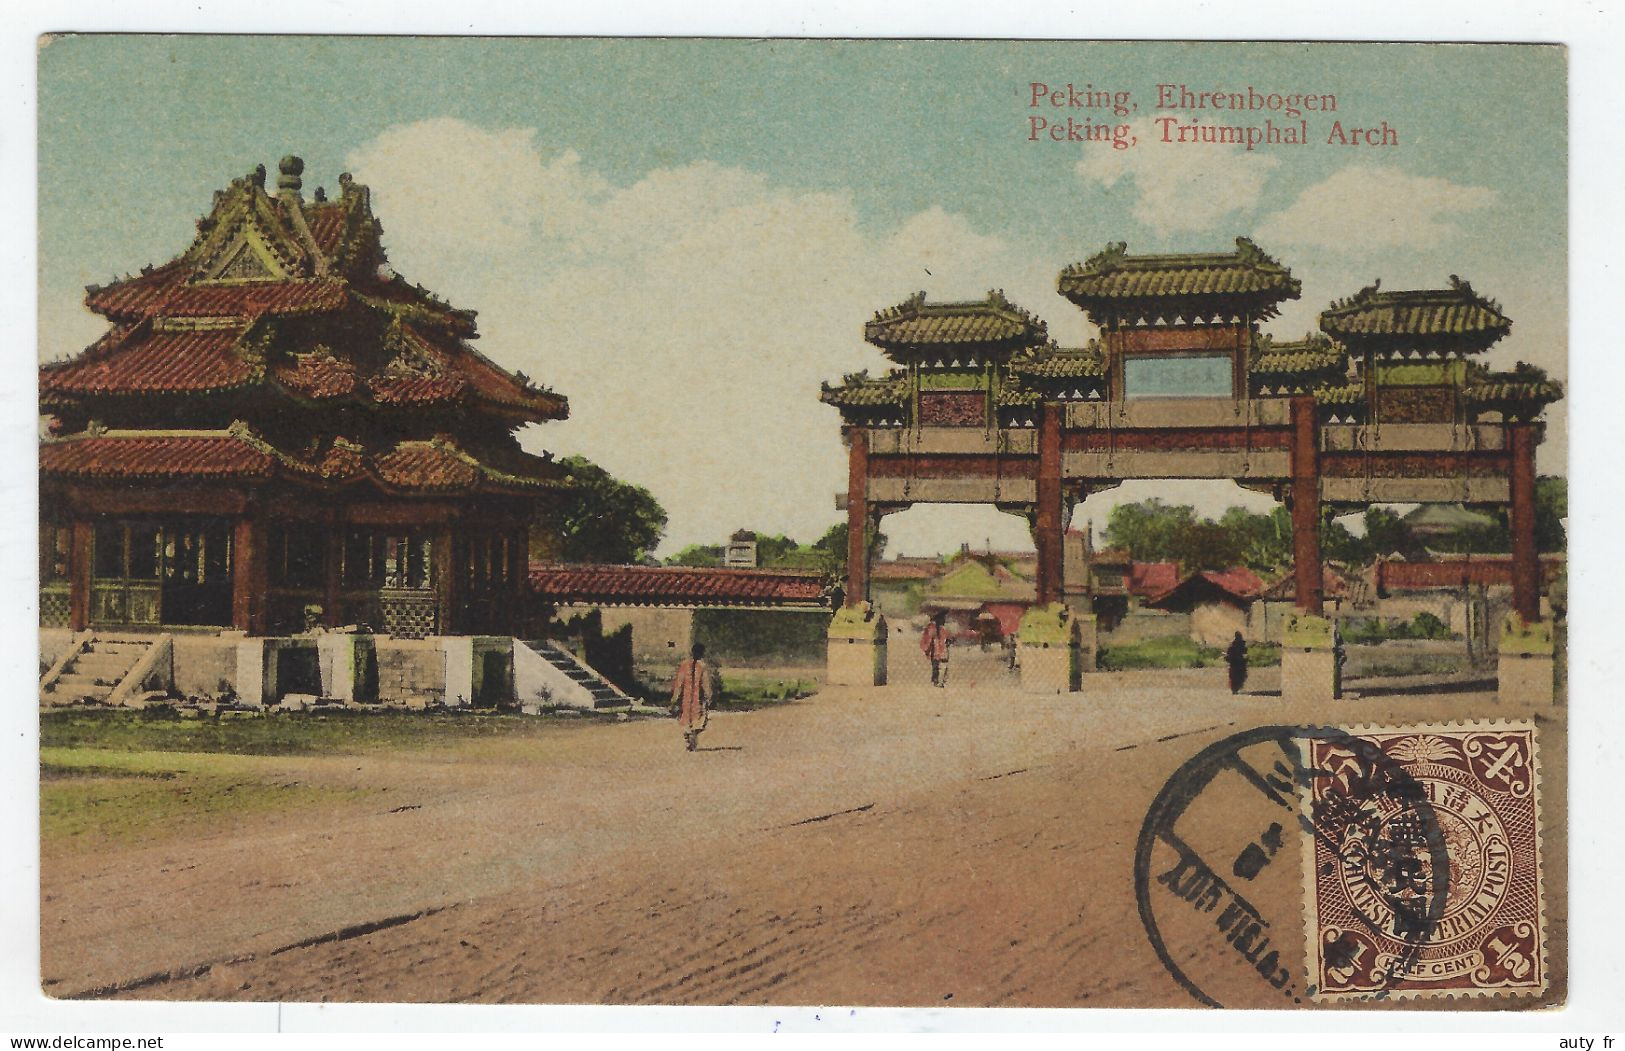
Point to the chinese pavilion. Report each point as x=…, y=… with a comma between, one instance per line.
x=1386, y=405
x=278, y=430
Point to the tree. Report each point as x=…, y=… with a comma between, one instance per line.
x=1147, y=529
x=832, y=547
x=602, y=519
x=697, y=555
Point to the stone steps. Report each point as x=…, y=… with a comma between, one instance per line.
x=95, y=672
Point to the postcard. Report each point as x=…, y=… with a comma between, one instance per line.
x=889, y=523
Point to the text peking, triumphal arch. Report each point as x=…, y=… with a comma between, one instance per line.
x=1387, y=404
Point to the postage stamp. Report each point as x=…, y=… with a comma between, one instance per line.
x=1373, y=874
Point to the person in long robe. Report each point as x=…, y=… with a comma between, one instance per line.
x=1236, y=657
x=691, y=693
x=934, y=644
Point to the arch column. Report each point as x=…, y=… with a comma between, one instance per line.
x=857, y=516
x=1525, y=560
x=1047, y=524
x=1306, y=574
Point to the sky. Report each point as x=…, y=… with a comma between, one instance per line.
x=685, y=237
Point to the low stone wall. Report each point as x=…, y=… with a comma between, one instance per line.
x=411, y=671
x=1142, y=624
x=205, y=665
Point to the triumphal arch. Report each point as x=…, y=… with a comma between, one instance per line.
x=1389, y=403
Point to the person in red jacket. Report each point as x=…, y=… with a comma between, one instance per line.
x=934, y=644
x=691, y=693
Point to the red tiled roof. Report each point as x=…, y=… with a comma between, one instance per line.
x=487, y=380
x=317, y=374
x=166, y=292
x=921, y=570
x=1238, y=583
x=1483, y=570
x=158, y=456
x=674, y=585
x=326, y=222
x=1333, y=584
x=436, y=465
x=151, y=363
x=1146, y=579
x=425, y=465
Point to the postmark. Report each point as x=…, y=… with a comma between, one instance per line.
x=1219, y=859
x=1367, y=869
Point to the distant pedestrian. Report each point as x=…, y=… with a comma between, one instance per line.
x=691, y=695
x=1236, y=657
x=934, y=644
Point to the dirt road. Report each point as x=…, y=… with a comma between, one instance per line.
x=905, y=846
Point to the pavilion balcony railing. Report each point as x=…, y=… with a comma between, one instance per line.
x=55, y=604
x=125, y=603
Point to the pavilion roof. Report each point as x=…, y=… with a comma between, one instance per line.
x=993, y=324
x=435, y=465
x=1312, y=354
x=859, y=390
x=260, y=259
x=1456, y=315
x=1112, y=279
x=1052, y=362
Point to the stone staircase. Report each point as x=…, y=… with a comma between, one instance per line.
x=572, y=683
x=100, y=669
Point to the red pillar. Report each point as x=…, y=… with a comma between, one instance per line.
x=857, y=516
x=248, y=578
x=1525, y=561
x=79, y=574
x=1047, y=523
x=1305, y=506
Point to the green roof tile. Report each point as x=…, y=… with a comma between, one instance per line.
x=991, y=322
x=1456, y=314
x=1113, y=276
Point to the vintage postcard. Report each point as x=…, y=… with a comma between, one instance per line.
x=737, y=522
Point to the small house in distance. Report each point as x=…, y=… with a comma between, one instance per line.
x=1218, y=602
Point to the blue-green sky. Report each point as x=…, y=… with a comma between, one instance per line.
x=685, y=237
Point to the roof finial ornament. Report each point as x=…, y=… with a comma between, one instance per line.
x=321, y=194
x=288, y=172
x=257, y=176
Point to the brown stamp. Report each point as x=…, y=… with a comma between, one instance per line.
x=1433, y=890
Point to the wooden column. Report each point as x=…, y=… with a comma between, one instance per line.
x=79, y=554
x=333, y=581
x=1525, y=560
x=1305, y=506
x=857, y=516
x=1047, y=521
x=248, y=574
x=447, y=570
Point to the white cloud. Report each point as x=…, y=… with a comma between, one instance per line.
x=1179, y=186
x=446, y=187
x=689, y=316
x=1372, y=208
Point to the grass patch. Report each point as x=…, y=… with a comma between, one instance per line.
x=1399, y=663
x=1180, y=651
x=743, y=691
x=1169, y=651
x=93, y=796
x=283, y=733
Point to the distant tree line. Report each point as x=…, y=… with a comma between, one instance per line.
x=1155, y=531
x=826, y=555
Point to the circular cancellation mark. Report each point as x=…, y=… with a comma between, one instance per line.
x=1215, y=879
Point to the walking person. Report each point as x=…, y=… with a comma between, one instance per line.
x=934, y=644
x=691, y=695
x=1236, y=657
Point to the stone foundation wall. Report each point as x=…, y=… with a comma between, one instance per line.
x=411, y=671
